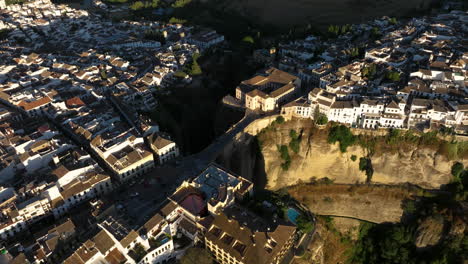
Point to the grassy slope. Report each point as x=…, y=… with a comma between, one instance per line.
x=321, y=12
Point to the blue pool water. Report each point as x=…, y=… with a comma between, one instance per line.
x=292, y=215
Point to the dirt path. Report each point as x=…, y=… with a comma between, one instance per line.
x=374, y=204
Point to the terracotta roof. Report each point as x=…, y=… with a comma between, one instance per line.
x=129, y=238
x=74, y=102
x=284, y=89
x=257, y=92
x=66, y=227
x=160, y=142
x=60, y=171
x=168, y=208
x=74, y=259
x=393, y=104
x=52, y=243
x=153, y=222
x=57, y=202
x=115, y=257
x=256, y=80
x=87, y=251
x=78, y=186
x=34, y=104
x=103, y=241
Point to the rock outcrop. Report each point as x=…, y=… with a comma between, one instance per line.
x=318, y=159
x=429, y=232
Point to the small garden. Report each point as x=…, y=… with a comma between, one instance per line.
x=137, y=253
x=268, y=204
x=156, y=242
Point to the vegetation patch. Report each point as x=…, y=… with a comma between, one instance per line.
x=294, y=144
x=366, y=166
x=398, y=242
x=196, y=255
x=138, y=252
x=341, y=134
x=284, y=154
x=304, y=224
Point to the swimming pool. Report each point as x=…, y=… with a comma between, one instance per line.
x=292, y=215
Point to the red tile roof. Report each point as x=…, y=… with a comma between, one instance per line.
x=34, y=104
x=74, y=102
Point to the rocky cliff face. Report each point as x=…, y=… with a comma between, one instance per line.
x=317, y=159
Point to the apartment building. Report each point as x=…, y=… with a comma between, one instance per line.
x=206, y=38
x=239, y=236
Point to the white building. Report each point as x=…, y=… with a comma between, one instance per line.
x=164, y=149
x=269, y=90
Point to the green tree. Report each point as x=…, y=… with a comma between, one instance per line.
x=154, y=3
x=248, y=39
x=180, y=74
x=279, y=120
x=293, y=134
x=409, y=206
x=362, y=164
x=319, y=118
x=295, y=141
x=284, y=154
x=181, y=3
x=375, y=32
x=137, y=5
x=369, y=71
x=322, y=119
x=341, y=134
x=103, y=74
x=138, y=252
x=393, y=76
x=304, y=224
x=283, y=150
x=175, y=20
x=195, y=70
x=457, y=169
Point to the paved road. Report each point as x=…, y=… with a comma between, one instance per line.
x=155, y=186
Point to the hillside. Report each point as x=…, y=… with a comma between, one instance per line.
x=319, y=13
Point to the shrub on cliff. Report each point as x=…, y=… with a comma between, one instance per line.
x=284, y=153
x=295, y=140
x=280, y=120
x=341, y=134
x=457, y=169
